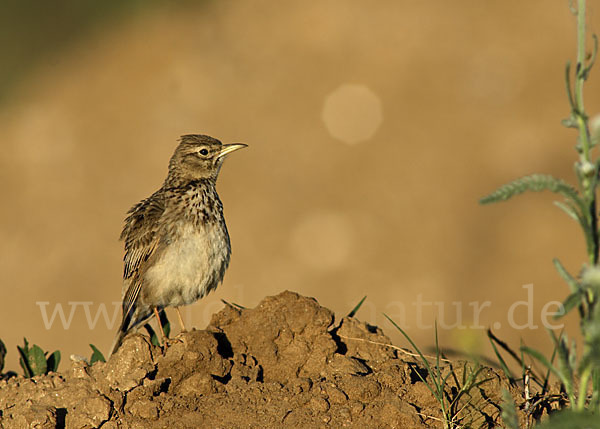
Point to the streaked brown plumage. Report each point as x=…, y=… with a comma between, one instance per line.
x=176, y=242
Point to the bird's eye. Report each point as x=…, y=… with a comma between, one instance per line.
x=203, y=152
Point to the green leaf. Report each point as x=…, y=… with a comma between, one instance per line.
x=37, y=360
x=543, y=360
x=566, y=363
x=595, y=402
x=97, y=355
x=575, y=211
x=569, y=210
x=357, y=307
x=153, y=337
x=164, y=321
x=24, y=359
x=573, y=284
x=53, y=361
x=27, y=373
x=572, y=355
x=586, y=71
x=572, y=301
x=509, y=411
x=590, y=359
x=572, y=120
x=568, y=419
x=2, y=355
x=536, y=183
x=34, y=362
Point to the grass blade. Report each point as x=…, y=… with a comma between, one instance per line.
x=430, y=371
x=357, y=307
x=501, y=361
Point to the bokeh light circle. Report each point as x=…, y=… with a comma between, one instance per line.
x=352, y=113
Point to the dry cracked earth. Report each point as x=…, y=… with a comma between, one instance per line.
x=286, y=363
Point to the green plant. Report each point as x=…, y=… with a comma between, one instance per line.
x=35, y=361
x=538, y=399
x=2, y=355
x=452, y=397
x=97, y=355
x=233, y=304
x=509, y=411
x=575, y=373
x=571, y=420
x=357, y=307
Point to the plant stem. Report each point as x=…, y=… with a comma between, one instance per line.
x=583, y=389
x=579, y=81
x=580, y=65
x=586, y=167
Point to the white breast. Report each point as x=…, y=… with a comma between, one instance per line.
x=189, y=267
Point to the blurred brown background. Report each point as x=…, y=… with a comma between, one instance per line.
x=374, y=127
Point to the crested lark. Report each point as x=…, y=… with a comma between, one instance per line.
x=176, y=242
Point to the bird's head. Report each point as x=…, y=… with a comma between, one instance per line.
x=199, y=157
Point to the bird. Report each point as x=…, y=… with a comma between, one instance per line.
x=177, y=246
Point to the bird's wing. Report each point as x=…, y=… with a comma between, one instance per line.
x=141, y=237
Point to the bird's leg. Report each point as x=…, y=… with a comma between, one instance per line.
x=180, y=320
x=164, y=337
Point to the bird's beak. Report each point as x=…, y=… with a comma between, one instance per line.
x=228, y=148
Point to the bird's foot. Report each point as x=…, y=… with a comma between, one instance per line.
x=166, y=343
x=172, y=341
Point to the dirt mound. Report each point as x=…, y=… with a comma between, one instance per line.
x=285, y=363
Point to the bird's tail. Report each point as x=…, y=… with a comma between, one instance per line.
x=118, y=339
x=125, y=327
x=130, y=322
